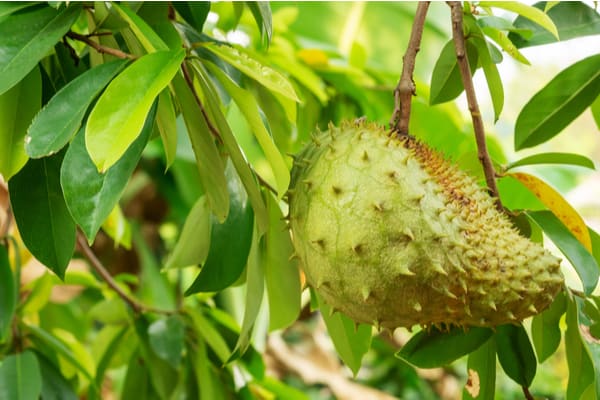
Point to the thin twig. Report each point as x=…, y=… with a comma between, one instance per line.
x=406, y=86
x=465, y=72
x=527, y=393
x=107, y=277
x=98, y=47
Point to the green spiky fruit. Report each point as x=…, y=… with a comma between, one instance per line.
x=389, y=233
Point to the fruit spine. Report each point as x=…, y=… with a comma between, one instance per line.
x=389, y=233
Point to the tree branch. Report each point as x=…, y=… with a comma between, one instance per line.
x=98, y=47
x=406, y=86
x=465, y=72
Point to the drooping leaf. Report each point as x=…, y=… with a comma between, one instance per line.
x=142, y=31
x=54, y=385
x=595, y=108
x=446, y=81
x=554, y=158
x=119, y=115
x=437, y=348
x=229, y=242
x=531, y=13
x=20, y=377
x=209, y=386
x=42, y=216
x=26, y=38
x=61, y=117
x=8, y=294
x=351, y=341
x=581, y=259
x=166, y=121
x=117, y=227
x=492, y=76
x=562, y=100
x=504, y=42
x=502, y=24
x=18, y=105
x=481, y=373
x=545, y=329
x=261, y=11
x=515, y=353
x=166, y=338
x=207, y=330
x=194, y=13
x=91, y=195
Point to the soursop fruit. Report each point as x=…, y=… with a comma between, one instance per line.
x=390, y=233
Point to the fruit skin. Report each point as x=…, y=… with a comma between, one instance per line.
x=389, y=233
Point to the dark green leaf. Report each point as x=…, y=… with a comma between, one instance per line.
x=351, y=340
x=61, y=117
x=435, y=348
x=446, y=82
x=262, y=15
x=208, y=383
x=595, y=108
x=8, y=294
x=554, y=158
x=137, y=381
x=44, y=221
x=208, y=332
x=26, y=38
x=20, y=377
x=166, y=121
x=494, y=82
x=545, y=328
x=166, y=337
x=229, y=243
x=54, y=385
x=194, y=13
x=481, y=373
x=9, y=7
x=561, y=101
x=90, y=195
x=572, y=19
x=516, y=354
x=581, y=259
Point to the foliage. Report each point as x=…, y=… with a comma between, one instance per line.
x=153, y=134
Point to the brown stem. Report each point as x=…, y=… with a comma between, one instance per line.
x=406, y=86
x=465, y=72
x=98, y=47
x=527, y=393
x=97, y=265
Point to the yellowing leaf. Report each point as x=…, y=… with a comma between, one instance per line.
x=313, y=57
x=117, y=227
x=558, y=205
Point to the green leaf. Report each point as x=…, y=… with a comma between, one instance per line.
x=194, y=13
x=20, y=377
x=54, y=385
x=438, y=348
x=529, y=12
x=261, y=11
x=90, y=195
x=119, y=115
x=42, y=216
x=229, y=242
x=481, y=373
x=581, y=366
x=515, y=353
x=10, y=7
x=18, y=105
x=572, y=18
x=545, y=328
x=8, y=294
x=351, y=341
x=166, y=338
x=266, y=76
x=166, y=121
x=61, y=117
x=281, y=270
x=247, y=104
x=554, y=158
x=504, y=42
x=446, y=81
x=209, y=386
x=562, y=100
x=194, y=242
x=207, y=331
x=492, y=76
x=581, y=259
x=147, y=37
x=26, y=38
x=595, y=108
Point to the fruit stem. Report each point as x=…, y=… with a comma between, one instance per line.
x=465, y=72
x=406, y=86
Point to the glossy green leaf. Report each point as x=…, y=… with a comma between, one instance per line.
x=572, y=18
x=281, y=270
x=207, y=330
x=263, y=74
x=9, y=7
x=194, y=242
x=545, y=328
x=531, y=13
x=194, y=13
x=247, y=104
x=581, y=259
x=61, y=117
x=8, y=294
x=54, y=385
x=595, y=108
x=554, y=158
x=492, y=76
x=581, y=367
x=261, y=11
x=515, y=353
x=437, y=348
x=26, y=38
x=210, y=164
x=504, y=42
x=446, y=82
x=562, y=100
x=147, y=37
x=90, y=195
x=119, y=115
x=351, y=341
x=166, y=338
x=166, y=121
x=229, y=242
x=42, y=216
x=20, y=377
x=481, y=373
x=18, y=105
